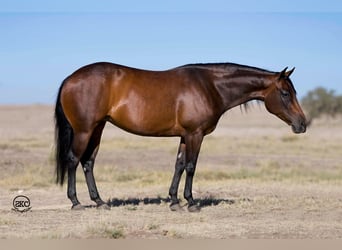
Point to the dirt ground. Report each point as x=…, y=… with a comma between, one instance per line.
x=255, y=179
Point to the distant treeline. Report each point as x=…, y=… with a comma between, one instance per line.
x=320, y=102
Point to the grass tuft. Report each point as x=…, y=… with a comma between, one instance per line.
x=107, y=231
x=114, y=233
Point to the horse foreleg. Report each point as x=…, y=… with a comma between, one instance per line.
x=193, y=145
x=179, y=169
x=88, y=167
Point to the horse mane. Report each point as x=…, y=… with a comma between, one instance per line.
x=228, y=65
x=235, y=66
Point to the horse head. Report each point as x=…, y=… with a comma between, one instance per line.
x=280, y=99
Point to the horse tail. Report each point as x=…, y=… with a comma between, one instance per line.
x=63, y=139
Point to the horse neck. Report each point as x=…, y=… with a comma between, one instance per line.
x=240, y=85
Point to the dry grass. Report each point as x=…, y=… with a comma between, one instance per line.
x=255, y=179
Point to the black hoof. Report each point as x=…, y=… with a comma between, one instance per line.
x=176, y=207
x=77, y=207
x=194, y=209
x=103, y=206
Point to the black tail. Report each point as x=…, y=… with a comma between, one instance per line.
x=63, y=136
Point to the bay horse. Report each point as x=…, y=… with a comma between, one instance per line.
x=186, y=102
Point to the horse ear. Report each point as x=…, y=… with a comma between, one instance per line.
x=288, y=73
x=283, y=73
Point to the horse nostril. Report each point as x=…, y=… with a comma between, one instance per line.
x=303, y=126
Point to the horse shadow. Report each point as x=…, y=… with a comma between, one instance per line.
x=202, y=202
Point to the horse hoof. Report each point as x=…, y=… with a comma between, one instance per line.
x=194, y=209
x=77, y=207
x=103, y=207
x=176, y=207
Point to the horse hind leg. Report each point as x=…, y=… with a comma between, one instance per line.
x=80, y=140
x=88, y=161
x=71, y=165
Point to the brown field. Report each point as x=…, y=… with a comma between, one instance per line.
x=255, y=179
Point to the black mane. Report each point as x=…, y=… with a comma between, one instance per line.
x=229, y=65
x=232, y=66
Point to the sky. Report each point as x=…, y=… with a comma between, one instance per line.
x=42, y=42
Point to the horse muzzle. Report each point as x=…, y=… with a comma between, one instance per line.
x=299, y=127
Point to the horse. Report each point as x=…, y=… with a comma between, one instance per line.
x=185, y=102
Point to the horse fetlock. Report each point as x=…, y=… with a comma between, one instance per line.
x=188, y=197
x=72, y=196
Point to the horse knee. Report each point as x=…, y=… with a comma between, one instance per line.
x=190, y=168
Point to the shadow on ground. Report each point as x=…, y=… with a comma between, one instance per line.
x=205, y=202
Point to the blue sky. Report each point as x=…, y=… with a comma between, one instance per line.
x=42, y=43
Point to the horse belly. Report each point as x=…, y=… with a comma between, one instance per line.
x=144, y=118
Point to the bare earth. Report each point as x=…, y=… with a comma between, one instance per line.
x=255, y=179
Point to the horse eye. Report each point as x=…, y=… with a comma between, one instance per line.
x=285, y=93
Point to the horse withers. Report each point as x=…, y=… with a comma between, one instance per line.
x=186, y=101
